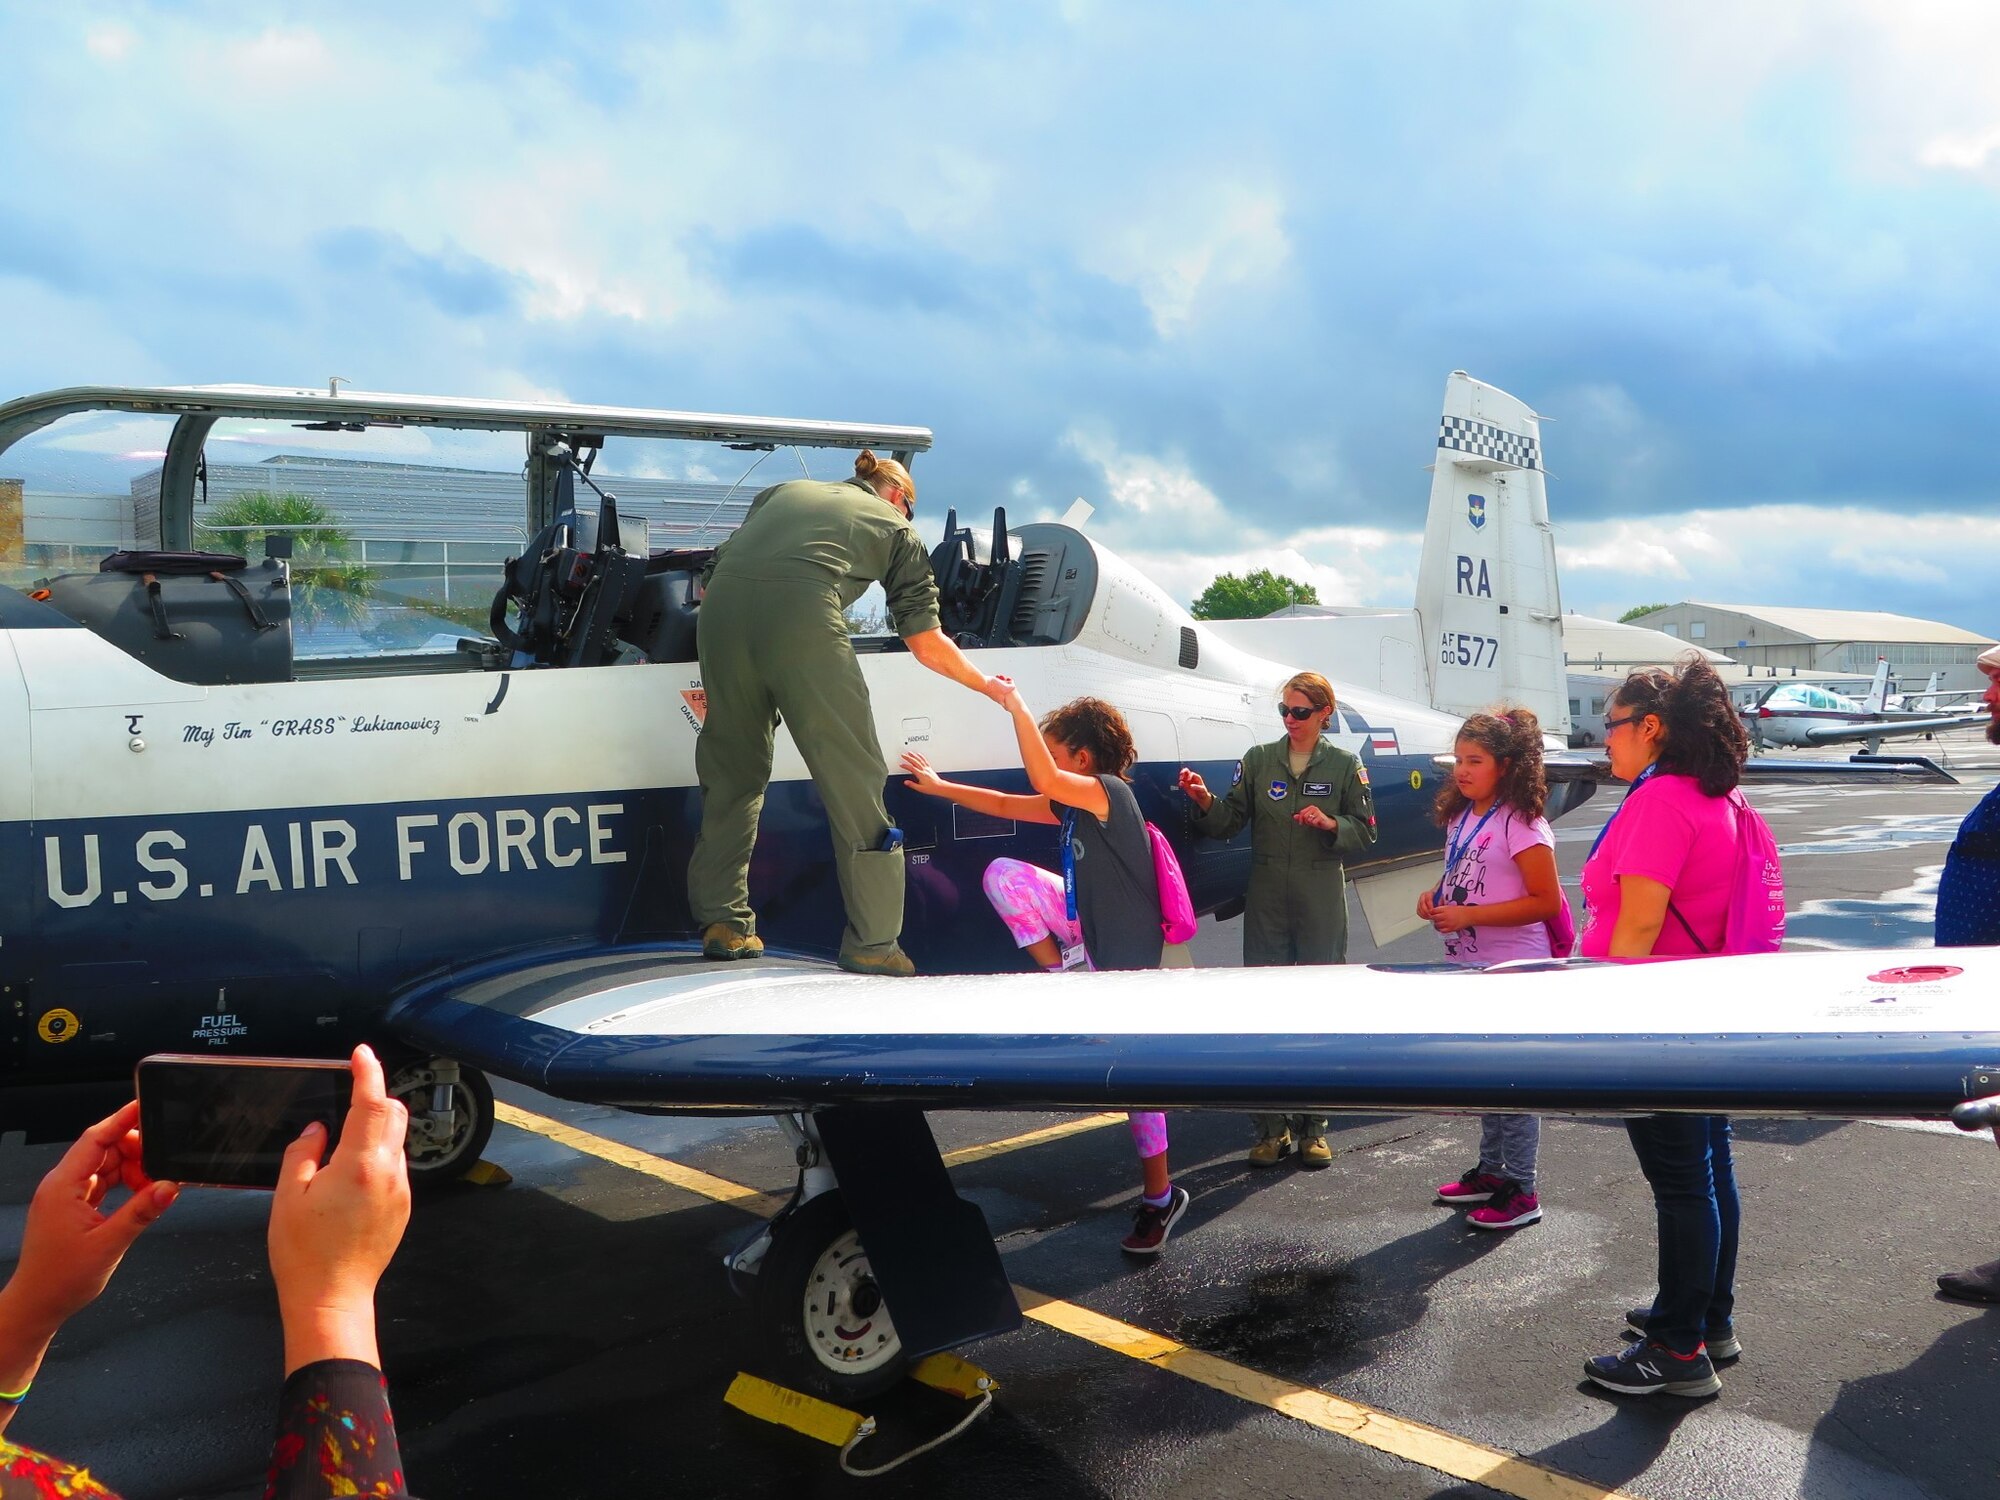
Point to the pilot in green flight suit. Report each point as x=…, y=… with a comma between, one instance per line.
x=1308, y=806
x=773, y=642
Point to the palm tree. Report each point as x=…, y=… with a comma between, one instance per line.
x=327, y=588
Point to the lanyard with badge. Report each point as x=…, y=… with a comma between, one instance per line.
x=1069, y=862
x=1598, y=842
x=1456, y=849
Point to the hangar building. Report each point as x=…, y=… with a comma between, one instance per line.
x=1826, y=641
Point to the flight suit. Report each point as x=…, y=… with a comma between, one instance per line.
x=1295, y=911
x=773, y=642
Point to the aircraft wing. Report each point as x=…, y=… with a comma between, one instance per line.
x=1827, y=1034
x=1769, y=769
x=1889, y=729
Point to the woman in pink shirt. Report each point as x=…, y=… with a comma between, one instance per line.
x=1658, y=884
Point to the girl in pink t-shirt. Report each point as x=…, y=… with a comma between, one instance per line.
x=1499, y=899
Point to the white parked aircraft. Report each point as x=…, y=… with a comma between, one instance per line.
x=1797, y=713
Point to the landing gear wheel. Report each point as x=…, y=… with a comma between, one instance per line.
x=824, y=1319
x=442, y=1145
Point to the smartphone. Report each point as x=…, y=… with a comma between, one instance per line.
x=226, y=1121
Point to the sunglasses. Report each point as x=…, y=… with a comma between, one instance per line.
x=1286, y=711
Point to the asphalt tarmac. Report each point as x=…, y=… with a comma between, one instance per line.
x=1334, y=1333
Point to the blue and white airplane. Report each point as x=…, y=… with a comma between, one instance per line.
x=1805, y=714
x=211, y=844
x=477, y=858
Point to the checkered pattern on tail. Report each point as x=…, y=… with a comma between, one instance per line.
x=1485, y=440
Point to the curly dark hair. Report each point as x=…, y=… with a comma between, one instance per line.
x=1094, y=725
x=1704, y=738
x=1513, y=737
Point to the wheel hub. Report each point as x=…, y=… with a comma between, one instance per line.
x=847, y=1325
x=434, y=1136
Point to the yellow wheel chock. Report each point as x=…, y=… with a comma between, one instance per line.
x=846, y=1430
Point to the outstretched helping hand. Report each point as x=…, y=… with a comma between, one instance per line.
x=997, y=687
x=1196, y=789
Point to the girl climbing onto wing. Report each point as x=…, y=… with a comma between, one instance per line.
x=1104, y=910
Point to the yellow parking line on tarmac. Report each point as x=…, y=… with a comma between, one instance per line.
x=720, y=1189
x=1432, y=1447
x=966, y=1154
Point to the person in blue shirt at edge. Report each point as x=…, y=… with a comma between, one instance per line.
x=1308, y=806
x=1968, y=915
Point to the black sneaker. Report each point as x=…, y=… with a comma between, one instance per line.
x=1646, y=1367
x=1980, y=1284
x=1151, y=1226
x=1722, y=1343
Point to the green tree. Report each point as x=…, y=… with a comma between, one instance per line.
x=1252, y=596
x=1637, y=610
x=328, y=587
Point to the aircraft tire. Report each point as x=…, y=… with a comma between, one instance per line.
x=825, y=1328
x=433, y=1166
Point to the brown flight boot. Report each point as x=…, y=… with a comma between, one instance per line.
x=1314, y=1153
x=895, y=963
x=1269, y=1148
x=720, y=940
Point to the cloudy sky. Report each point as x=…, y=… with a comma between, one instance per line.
x=1205, y=266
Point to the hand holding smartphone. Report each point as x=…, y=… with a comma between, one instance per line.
x=226, y=1121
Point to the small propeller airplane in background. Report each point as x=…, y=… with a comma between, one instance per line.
x=1804, y=714
x=477, y=857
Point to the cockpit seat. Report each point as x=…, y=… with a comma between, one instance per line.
x=200, y=617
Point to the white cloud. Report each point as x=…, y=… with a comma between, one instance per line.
x=1194, y=238
x=108, y=41
x=1163, y=490
x=1834, y=557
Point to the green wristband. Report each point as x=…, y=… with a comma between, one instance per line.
x=17, y=1397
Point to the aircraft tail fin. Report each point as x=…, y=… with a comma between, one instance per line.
x=1928, y=703
x=1878, y=690
x=1488, y=603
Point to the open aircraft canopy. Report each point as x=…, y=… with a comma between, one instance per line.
x=198, y=408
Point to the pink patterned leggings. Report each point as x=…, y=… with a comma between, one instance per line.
x=1030, y=901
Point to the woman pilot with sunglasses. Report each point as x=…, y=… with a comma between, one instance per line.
x=1308, y=806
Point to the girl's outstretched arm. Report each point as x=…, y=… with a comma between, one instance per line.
x=1021, y=807
x=1064, y=787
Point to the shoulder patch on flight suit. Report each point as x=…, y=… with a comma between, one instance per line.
x=1362, y=773
x=1277, y=791
x=1239, y=774
x=1319, y=789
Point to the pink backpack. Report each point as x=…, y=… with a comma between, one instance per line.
x=1757, y=903
x=1177, y=922
x=1561, y=928
x=1757, y=889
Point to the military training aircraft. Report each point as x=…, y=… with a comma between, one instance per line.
x=477, y=857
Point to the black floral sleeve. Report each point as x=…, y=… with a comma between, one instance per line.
x=28, y=1475
x=335, y=1436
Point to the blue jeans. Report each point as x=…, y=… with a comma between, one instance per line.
x=1686, y=1159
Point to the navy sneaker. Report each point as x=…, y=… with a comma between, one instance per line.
x=1722, y=1342
x=1151, y=1226
x=1645, y=1367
